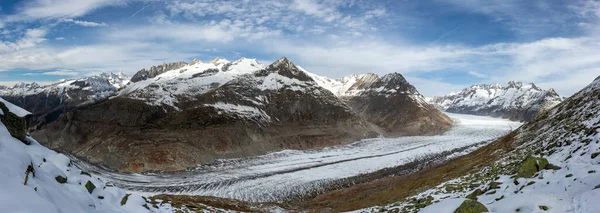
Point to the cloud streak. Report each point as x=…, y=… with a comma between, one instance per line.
x=85, y=23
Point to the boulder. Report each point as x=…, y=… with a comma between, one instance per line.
x=471, y=206
x=530, y=166
x=16, y=125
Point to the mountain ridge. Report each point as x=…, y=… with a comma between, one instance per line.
x=46, y=102
x=515, y=101
x=203, y=111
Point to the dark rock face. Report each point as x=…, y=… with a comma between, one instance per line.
x=516, y=101
x=17, y=126
x=156, y=70
x=276, y=108
x=396, y=106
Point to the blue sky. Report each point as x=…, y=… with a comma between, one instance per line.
x=439, y=45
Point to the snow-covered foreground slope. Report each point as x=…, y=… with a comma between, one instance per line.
x=567, y=137
x=43, y=192
x=289, y=174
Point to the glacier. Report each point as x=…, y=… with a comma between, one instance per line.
x=293, y=174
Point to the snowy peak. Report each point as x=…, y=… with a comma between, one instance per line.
x=516, y=101
x=595, y=83
x=395, y=81
x=23, y=85
x=242, y=66
x=356, y=85
x=515, y=84
x=167, y=87
x=156, y=70
x=358, y=82
x=118, y=80
x=217, y=61
x=285, y=67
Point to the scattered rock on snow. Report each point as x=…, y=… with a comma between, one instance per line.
x=61, y=179
x=90, y=186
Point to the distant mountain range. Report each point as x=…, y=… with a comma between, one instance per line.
x=42, y=101
x=515, y=101
x=177, y=115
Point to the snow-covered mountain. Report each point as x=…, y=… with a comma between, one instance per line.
x=515, y=101
x=185, y=81
x=49, y=101
x=390, y=102
x=97, y=85
x=204, y=111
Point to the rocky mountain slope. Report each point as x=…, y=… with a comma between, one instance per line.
x=516, y=101
x=390, y=102
x=549, y=164
x=205, y=111
x=37, y=179
x=49, y=101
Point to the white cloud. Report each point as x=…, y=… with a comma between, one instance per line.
x=59, y=38
x=430, y=88
x=588, y=8
x=128, y=57
x=477, y=74
x=375, y=13
x=30, y=38
x=276, y=15
x=313, y=8
x=357, y=56
x=85, y=23
x=527, y=18
x=54, y=9
x=222, y=32
x=62, y=73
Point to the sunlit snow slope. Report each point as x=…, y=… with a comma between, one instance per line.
x=43, y=192
x=287, y=174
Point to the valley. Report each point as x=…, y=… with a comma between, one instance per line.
x=293, y=174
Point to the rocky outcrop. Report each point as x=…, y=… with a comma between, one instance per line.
x=389, y=102
x=157, y=70
x=15, y=119
x=278, y=107
x=516, y=101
